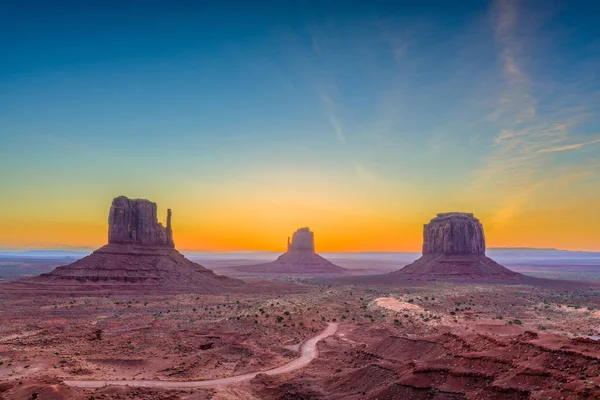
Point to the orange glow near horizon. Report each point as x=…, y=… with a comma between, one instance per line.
x=263, y=210
x=231, y=233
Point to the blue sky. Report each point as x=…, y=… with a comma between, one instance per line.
x=396, y=109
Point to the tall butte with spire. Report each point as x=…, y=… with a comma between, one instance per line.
x=140, y=253
x=454, y=249
x=134, y=222
x=300, y=258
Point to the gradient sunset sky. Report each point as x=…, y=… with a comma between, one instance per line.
x=361, y=120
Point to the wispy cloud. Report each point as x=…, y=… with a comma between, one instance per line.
x=518, y=165
x=330, y=111
x=516, y=98
x=365, y=174
x=569, y=147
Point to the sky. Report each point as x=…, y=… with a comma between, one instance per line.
x=361, y=120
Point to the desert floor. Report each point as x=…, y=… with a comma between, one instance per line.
x=448, y=340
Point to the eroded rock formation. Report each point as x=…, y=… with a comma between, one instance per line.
x=300, y=258
x=135, y=221
x=140, y=252
x=454, y=233
x=302, y=240
x=454, y=249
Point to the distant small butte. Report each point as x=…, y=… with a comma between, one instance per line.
x=299, y=259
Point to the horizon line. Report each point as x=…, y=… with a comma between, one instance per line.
x=91, y=249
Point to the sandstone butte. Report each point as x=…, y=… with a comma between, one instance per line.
x=300, y=258
x=140, y=252
x=454, y=249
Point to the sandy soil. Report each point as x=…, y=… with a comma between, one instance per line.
x=308, y=351
x=396, y=305
x=457, y=341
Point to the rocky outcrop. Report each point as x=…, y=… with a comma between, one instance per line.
x=135, y=221
x=454, y=249
x=454, y=233
x=300, y=258
x=302, y=240
x=140, y=253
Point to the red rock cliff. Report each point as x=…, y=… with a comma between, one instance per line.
x=302, y=240
x=134, y=221
x=454, y=234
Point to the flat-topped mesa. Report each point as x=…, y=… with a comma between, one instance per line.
x=454, y=250
x=134, y=221
x=302, y=240
x=454, y=233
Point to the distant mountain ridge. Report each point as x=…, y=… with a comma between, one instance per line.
x=527, y=249
x=44, y=253
x=80, y=252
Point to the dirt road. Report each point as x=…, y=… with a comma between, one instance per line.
x=308, y=351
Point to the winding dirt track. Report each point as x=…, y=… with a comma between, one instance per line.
x=308, y=351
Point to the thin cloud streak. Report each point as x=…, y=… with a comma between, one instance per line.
x=569, y=147
x=517, y=99
x=516, y=171
x=336, y=124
